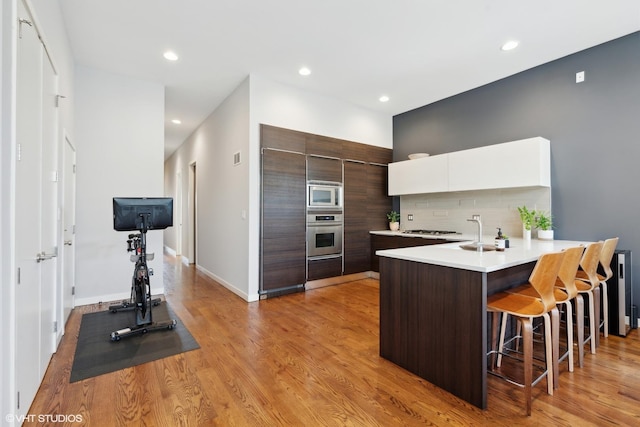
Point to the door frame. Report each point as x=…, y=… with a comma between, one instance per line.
x=66, y=294
x=192, y=215
x=178, y=213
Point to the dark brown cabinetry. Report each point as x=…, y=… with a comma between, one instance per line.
x=290, y=158
x=324, y=169
x=365, y=207
x=356, y=226
x=378, y=203
x=283, y=139
x=283, y=249
x=379, y=242
x=323, y=146
x=433, y=321
x=323, y=268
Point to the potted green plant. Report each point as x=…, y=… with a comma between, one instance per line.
x=528, y=218
x=544, y=225
x=394, y=220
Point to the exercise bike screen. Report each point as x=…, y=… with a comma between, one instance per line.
x=129, y=213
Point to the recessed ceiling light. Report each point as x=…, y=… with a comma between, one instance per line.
x=170, y=56
x=304, y=71
x=176, y=121
x=511, y=44
x=383, y=98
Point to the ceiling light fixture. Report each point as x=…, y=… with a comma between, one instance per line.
x=176, y=121
x=304, y=71
x=510, y=45
x=170, y=56
x=383, y=98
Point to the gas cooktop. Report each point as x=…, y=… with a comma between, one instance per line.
x=430, y=232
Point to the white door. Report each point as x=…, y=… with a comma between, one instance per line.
x=68, y=229
x=50, y=220
x=37, y=220
x=28, y=210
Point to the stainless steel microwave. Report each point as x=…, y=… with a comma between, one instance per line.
x=324, y=195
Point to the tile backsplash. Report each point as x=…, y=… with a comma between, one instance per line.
x=450, y=211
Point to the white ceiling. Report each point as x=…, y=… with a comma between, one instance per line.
x=415, y=51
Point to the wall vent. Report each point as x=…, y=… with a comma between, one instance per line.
x=236, y=158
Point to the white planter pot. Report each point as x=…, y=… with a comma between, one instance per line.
x=526, y=235
x=545, y=234
x=394, y=226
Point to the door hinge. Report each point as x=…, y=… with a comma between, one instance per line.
x=55, y=326
x=54, y=176
x=74, y=168
x=23, y=21
x=58, y=99
x=19, y=151
x=18, y=400
x=18, y=275
x=73, y=290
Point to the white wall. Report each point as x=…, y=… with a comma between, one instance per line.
x=120, y=153
x=284, y=106
x=223, y=191
x=229, y=251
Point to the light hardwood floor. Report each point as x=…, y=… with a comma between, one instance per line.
x=311, y=359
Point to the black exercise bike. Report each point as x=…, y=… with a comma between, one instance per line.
x=141, y=300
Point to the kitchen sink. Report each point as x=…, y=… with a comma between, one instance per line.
x=474, y=247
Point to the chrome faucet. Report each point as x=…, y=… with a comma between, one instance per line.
x=476, y=218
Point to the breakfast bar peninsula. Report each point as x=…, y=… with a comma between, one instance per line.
x=433, y=308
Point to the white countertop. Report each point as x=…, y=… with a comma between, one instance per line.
x=452, y=237
x=451, y=255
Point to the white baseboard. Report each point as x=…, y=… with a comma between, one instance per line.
x=241, y=294
x=169, y=250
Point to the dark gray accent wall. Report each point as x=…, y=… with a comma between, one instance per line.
x=593, y=126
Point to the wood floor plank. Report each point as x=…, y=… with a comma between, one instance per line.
x=311, y=359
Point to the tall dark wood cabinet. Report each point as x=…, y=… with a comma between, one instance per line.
x=365, y=208
x=378, y=202
x=356, y=221
x=283, y=250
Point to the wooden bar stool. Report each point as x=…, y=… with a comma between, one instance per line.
x=589, y=284
x=606, y=255
x=565, y=292
x=567, y=282
x=525, y=309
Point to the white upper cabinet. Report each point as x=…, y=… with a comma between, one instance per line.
x=425, y=175
x=523, y=163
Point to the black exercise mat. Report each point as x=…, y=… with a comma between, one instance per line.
x=96, y=354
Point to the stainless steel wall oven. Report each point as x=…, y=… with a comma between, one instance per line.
x=324, y=234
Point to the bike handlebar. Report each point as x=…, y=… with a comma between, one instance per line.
x=134, y=242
